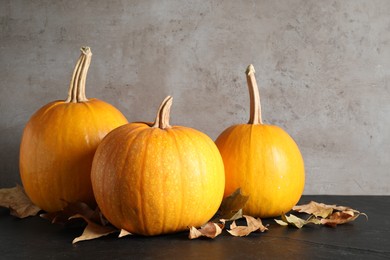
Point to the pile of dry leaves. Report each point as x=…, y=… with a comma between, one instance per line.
x=230, y=212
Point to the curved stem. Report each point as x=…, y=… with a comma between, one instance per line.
x=255, y=105
x=76, y=92
x=162, y=118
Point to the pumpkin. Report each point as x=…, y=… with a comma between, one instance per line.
x=262, y=160
x=59, y=142
x=154, y=178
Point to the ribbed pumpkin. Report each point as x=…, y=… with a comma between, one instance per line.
x=262, y=160
x=152, y=179
x=59, y=142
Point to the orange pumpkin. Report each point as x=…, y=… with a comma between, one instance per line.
x=152, y=179
x=262, y=160
x=59, y=142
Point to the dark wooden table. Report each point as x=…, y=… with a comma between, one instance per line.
x=36, y=238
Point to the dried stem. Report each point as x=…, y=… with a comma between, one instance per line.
x=162, y=118
x=76, y=92
x=255, y=105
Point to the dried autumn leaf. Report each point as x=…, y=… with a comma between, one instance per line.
x=17, y=201
x=194, y=233
x=320, y=209
x=71, y=209
x=92, y=230
x=340, y=217
x=231, y=206
x=236, y=216
x=314, y=220
x=315, y=208
x=321, y=213
x=124, y=233
x=97, y=225
x=281, y=222
x=253, y=224
x=291, y=220
x=210, y=230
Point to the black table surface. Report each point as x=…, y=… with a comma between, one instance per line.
x=34, y=238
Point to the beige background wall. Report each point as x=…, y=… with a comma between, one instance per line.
x=323, y=68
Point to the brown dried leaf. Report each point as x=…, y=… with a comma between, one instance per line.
x=320, y=209
x=340, y=217
x=291, y=220
x=314, y=220
x=17, y=201
x=331, y=215
x=194, y=233
x=236, y=216
x=92, y=230
x=281, y=222
x=97, y=225
x=317, y=209
x=63, y=216
x=210, y=230
x=231, y=206
x=252, y=225
x=124, y=233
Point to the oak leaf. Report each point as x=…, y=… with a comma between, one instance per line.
x=253, y=224
x=18, y=202
x=210, y=230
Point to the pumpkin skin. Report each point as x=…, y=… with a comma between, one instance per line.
x=262, y=160
x=57, y=149
x=266, y=163
x=152, y=180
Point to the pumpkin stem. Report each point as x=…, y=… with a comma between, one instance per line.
x=162, y=118
x=76, y=92
x=255, y=105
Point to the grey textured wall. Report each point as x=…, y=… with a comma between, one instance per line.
x=323, y=68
